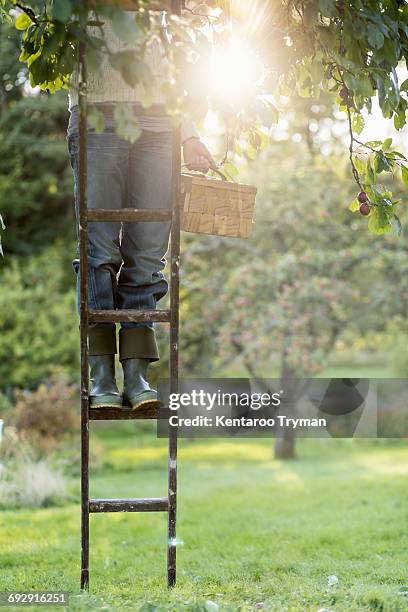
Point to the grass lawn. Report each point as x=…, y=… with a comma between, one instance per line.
x=256, y=533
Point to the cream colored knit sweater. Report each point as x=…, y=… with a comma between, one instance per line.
x=107, y=84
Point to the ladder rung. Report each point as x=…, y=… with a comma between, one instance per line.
x=156, y=504
x=129, y=316
x=112, y=414
x=128, y=214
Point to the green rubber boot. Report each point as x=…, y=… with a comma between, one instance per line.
x=136, y=391
x=103, y=391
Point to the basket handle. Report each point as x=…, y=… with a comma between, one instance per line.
x=213, y=168
x=220, y=174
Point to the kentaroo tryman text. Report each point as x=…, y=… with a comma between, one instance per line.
x=223, y=421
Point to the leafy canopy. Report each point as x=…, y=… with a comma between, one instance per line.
x=349, y=49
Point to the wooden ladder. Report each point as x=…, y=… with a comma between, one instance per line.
x=160, y=504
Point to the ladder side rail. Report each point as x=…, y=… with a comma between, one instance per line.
x=176, y=6
x=83, y=273
x=174, y=358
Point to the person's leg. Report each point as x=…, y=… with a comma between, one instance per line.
x=106, y=183
x=141, y=282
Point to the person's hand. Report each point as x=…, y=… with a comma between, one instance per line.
x=197, y=156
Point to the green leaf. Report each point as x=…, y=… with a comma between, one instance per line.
x=23, y=21
x=371, y=174
x=317, y=71
x=61, y=10
x=354, y=206
x=374, y=36
x=180, y=31
x=93, y=58
x=255, y=140
x=66, y=62
x=374, y=143
x=364, y=86
x=230, y=169
x=328, y=8
x=381, y=163
x=96, y=119
x=404, y=175
x=360, y=165
x=266, y=110
x=304, y=92
x=264, y=140
x=132, y=71
x=250, y=152
x=357, y=123
x=386, y=144
x=125, y=26
x=396, y=225
x=41, y=71
x=127, y=124
x=379, y=220
x=396, y=155
x=399, y=120
x=237, y=147
x=378, y=192
x=390, y=51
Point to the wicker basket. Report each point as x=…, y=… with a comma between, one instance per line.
x=218, y=207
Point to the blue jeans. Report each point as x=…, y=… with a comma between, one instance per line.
x=125, y=260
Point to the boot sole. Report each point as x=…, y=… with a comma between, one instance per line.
x=105, y=405
x=145, y=404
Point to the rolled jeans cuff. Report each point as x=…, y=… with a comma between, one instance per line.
x=138, y=343
x=102, y=339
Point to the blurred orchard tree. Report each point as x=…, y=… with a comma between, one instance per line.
x=39, y=299
x=38, y=331
x=271, y=47
x=35, y=179
x=279, y=302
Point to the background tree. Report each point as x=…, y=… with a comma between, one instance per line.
x=38, y=323
x=38, y=326
x=277, y=305
x=35, y=180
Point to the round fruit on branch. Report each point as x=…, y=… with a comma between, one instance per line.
x=365, y=208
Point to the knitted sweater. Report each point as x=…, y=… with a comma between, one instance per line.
x=106, y=85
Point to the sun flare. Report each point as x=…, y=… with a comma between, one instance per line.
x=233, y=70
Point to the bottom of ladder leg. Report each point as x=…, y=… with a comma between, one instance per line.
x=171, y=562
x=171, y=577
x=84, y=579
